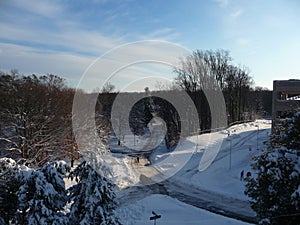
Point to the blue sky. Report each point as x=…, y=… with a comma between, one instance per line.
x=65, y=37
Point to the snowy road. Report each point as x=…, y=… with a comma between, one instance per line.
x=213, y=202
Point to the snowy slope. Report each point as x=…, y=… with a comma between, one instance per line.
x=219, y=177
x=219, y=185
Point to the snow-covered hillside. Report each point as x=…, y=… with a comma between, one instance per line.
x=223, y=175
x=219, y=184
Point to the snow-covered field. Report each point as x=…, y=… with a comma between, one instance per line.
x=172, y=212
x=221, y=177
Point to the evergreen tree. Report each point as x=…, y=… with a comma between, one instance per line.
x=275, y=192
x=8, y=188
x=140, y=116
x=43, y=196
x=2, y=221
x=93, y=197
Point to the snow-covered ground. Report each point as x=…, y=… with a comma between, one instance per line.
x=172, y=212
x=223, y=176
x=221, y=180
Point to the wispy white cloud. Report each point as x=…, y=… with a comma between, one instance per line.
x=67, y=47
x=31, y=61
x=236, y=13
x=166, y=34
x=50, y=25
x=70, y=35
x=44, y=8
x=47, y=36
x=132, y=62
x=72, y=66
x=222, y=3
x=243, y=41
x=72, y=39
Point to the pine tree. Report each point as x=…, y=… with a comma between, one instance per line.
x=93, y=197
x=8, y=188
x=140, y=116
x=275, y=192
x=43, y=196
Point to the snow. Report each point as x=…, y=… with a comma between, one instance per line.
x=172, y=212
x=209, y=165
x=219, y=179
x=296, y=98
x=198, y=171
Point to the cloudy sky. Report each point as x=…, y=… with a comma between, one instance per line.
x=66, y=37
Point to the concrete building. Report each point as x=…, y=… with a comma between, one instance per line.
x=286, y=98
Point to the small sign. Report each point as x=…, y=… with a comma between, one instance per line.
x=155, y=217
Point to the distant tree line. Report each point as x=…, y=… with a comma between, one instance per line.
x=200, y=74
x=36, y=111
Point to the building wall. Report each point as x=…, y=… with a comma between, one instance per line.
x=285, y=95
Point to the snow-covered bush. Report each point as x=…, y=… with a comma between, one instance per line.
x=93, y=198
x=6, y=164
x=8, y=188
x=43, y=196
x=275, y=192
x=31, y=196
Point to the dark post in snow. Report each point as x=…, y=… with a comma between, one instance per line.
x=230, y=142
x=257, y=136
x=155, y=217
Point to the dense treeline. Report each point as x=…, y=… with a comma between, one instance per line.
x=36, y=117
x=140, y=114
x=202, y=75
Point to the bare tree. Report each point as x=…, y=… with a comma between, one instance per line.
x=37, y=117
x=204, y=72
x=108, y=88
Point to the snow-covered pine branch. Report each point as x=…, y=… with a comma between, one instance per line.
x=93, y=197
x=275, y=191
